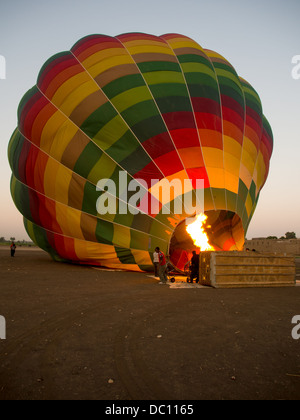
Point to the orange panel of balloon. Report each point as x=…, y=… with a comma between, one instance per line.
x=125, y=141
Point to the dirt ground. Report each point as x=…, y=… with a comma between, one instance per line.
x=79, y=333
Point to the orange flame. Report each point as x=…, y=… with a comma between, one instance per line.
x=198, y=234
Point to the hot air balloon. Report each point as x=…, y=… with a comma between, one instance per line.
x=144, y=109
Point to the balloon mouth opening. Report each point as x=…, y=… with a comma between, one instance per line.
x=223, y=229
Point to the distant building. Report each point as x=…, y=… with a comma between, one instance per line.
x=279, y=246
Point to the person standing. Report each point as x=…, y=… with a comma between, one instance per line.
x=156, y=262
x=162, y=266
x=13, y=249
x=195, y=267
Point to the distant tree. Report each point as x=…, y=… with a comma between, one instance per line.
x=290, y=235
x=272, y=237
x=12, y=239
x=2, y=239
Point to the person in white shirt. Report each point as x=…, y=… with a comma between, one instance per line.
x=156, y=262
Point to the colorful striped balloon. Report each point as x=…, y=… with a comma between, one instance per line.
x=152, y=108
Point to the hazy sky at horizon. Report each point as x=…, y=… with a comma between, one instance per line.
x=259, y=38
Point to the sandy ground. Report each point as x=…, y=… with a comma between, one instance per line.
x=80, y=333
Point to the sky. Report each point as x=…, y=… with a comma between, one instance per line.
x=258, y=37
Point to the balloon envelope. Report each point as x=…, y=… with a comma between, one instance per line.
x=141, y=108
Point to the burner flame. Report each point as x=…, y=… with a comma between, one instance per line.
x=196, y=230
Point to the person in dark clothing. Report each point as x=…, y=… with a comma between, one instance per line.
x=13, y=249
x=194, y=268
